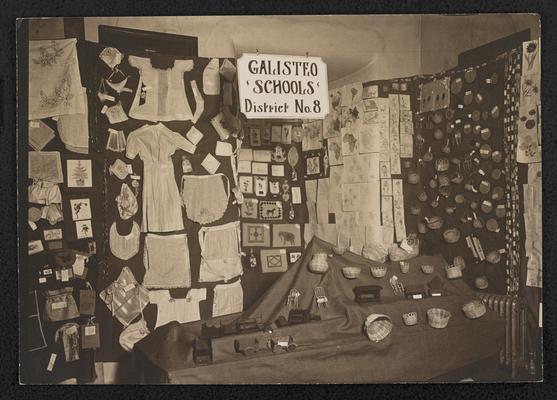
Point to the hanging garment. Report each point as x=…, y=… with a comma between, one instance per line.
x=181, y=310
x=124, y=247
x=52, y=213
x=167, y=261
x=60, y=305
x=160, y=94
x=220, y=252
x=205, y=197
x=211, y=78
x=74, y=129
x=125, y=298
x=54, y=79
x=69, y=333
x=40, y=134
x=133, y=334
x=127, y=203
x=228, y=299
x=161, y=200
x=116, y=140
x=45, y=165
x=43, y=192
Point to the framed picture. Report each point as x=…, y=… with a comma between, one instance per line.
x=255, y=137
x=286, y=134
x=244, y=166
x=262, y=155
x=81, y=209
x=277, y=170
x=246, y=184
x=274, y=186
x=259, y=168
x=294, y=256
x=273, y=260
x=80, y=173
x=35, y=246
x=266, y=136
x=52, y=234
x=287, y=235
x=84, y=229
x=276, y=133
x=249, y=209
x=270, y=210
x=261, y=185
x=256, y=235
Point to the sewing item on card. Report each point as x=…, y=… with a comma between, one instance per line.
x=249, y=208
x=119, y=169
x=116, y=141
x=210, y=163
x=194, y=135
x=127, y=203
x=270, y=210
x=205, y=197
x=124, y=246
x=261, y=185
x=111, y=56
x=60, y=305
x=167, y=261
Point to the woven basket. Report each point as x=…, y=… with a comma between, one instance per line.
x=378, y=327
x=453, y=272
x=474, y=309
x=351, y=272
x=493, y=257
x=451, y=235
x=340, y=250
x=318, y=263
x=378, y=271
x=410, y=318
x=434, y=222
x=481, y=282
x=438, y=317
x=428, y=269
x=442, y=165
x=458, y=261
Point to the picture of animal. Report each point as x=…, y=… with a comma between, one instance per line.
x=287, y=238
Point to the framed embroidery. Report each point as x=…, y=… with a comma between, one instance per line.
x=255, y=137
x=84, y=229
x=287, y=235
x=249, y=208
x=273, y=260
x=52, y=234
x=261, y=185
x=246, y=184
x=259, y=168
x=276, y=133
x=277, y=170
x=256, y=235
x=262, y=155
x=81, y=209
x=79, y=173
x=270, y=210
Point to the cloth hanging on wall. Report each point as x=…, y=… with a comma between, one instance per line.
x=167, y=261
x=124, y=246
x=74, y=128
x=205, y=197
x=160, y=94
x=228, y=299
x=161, y=201
x=54, y=79
x=220, y=252
x=177, y=309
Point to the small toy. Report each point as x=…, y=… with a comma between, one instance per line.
x=283, y=344
x=367, y=294
x=202, y=351
x=320, y=297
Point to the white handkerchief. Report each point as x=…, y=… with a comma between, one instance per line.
x=194, y=135
x=244, y=167
x=211, y=164
x=223, y=149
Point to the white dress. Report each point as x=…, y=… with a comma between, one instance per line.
x=165, y=95
x=155, y=144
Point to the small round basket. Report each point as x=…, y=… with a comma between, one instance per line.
x=340, y=250
x=428, y=269
x=474, y=309
x=318, y=263
x=351, y=272
x=453, y=272
x=451, y=235
x=410, y=318
x=378, y=271
x=434, y=222
x=438, y=317
x=378, y=327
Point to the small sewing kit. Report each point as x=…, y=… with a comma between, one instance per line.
x=298, y=316
x=367, y=294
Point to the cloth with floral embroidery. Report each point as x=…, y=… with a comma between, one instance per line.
x=127, y=203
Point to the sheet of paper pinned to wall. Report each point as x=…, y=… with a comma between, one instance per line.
x=394, y=138
x=398, y=206
x=361, y=168
x=369, y=213
x=335, y=189
x=357, y=239
x=351, y=94
x=387, y=211
x=311, y=190
x=323, y=201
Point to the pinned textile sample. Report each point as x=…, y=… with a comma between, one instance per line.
x=287, y=235
x=228, y=298
x=528, y=148
x=205, y=197
x=249, y=208
x=260, y=185
x=273, y=260
x=46, y=166
x=40, y=134
x=434, y=95
x=256, y=235
x=167, y=261
x=54, y=79
x=220, y=252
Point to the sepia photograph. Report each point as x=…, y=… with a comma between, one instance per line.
x=280, y=199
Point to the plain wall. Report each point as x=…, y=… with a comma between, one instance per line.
x=355, y=48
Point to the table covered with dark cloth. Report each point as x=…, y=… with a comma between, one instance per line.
x=336, y=349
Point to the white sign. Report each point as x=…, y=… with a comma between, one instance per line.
x=276, y=86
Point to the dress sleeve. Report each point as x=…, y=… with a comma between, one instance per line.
x=178, y=141
x=136, y=62
x=132, y=147
x=183, y=65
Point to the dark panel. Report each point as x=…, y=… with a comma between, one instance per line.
x=489, y=51
x=146, y=41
